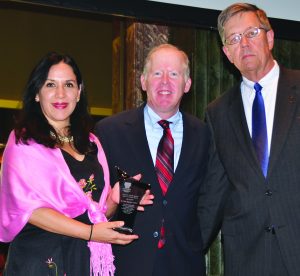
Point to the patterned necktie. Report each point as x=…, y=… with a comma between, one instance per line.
x=164, y=168
x=259, y=129
x=165, y=157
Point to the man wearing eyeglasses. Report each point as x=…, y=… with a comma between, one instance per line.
x=252, y=190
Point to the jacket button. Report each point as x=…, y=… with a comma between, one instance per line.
x=165, y=202
x=268, y=193
x=155, y=234
x=268, y=229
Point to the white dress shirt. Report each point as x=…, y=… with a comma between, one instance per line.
x=269, y=91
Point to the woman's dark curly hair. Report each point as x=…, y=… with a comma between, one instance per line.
x=32, y=124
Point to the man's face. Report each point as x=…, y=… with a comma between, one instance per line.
x=165, y=81
x=252, y=56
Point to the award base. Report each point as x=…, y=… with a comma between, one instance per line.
x=124, y=230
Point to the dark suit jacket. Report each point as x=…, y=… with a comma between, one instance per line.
x=242, y=200
x=124, y=140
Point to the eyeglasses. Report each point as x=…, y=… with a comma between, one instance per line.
x=249, y=33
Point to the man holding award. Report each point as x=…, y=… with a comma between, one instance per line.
x=169, y=148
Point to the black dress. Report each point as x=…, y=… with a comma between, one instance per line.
x=36, y=252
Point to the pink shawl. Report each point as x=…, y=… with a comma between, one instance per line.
x=34, y=176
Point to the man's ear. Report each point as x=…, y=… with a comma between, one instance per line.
x=143, y=82
x=187, y=85
x=227, y=53
x=270, y=38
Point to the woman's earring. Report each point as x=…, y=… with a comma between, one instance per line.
x=36, y=98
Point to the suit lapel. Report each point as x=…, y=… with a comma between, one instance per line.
x=135, y=135
x=284, y=113
x=186, y=152
x=240, y=129
x=185, y=155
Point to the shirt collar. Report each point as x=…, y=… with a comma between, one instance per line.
x=266, y=80
x=153, y=118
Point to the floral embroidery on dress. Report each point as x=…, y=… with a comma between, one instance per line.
x=88, y=186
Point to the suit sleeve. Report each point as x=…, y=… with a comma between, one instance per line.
x=213, y=194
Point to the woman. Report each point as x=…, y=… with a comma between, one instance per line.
x=55, y=192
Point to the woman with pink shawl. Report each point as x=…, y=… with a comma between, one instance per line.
x=55, y=193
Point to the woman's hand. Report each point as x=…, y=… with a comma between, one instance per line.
x=55, y=222
x=114, y=195
x=103, y=232
x=113, y=200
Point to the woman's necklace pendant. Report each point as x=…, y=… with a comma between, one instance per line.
x=63, y=139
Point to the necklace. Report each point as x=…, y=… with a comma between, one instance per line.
x=63, y=139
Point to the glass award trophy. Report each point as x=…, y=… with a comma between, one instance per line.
x=131, y=193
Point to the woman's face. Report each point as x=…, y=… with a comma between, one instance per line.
x=59, y=95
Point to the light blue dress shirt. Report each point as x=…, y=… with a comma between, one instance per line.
x=154, y=132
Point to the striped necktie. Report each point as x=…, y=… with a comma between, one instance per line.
x=164, y=167
x=165, y=157
x=259, y=129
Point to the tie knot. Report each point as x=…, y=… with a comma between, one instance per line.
x=164, y=124
x=257, y=87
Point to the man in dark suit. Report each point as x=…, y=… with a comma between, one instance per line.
x=169, y=234
x=252, y=189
